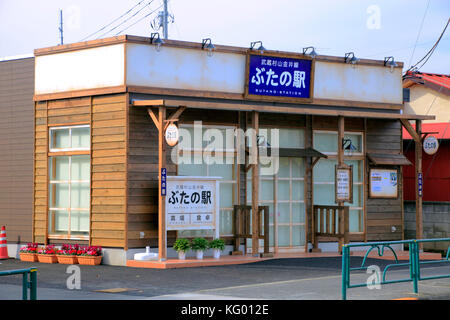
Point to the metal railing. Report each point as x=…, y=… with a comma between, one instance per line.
x=29, y=281
x=414, y=263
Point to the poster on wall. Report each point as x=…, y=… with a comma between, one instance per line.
x=344, y=184
x=279, y=77
x=192, y=203
x=383, y=183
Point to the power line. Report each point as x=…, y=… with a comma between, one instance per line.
x=420, y=30
x=149, y=3
x=138, y=4
x=150, y=13
x=430, y=52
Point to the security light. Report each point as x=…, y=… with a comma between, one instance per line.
x=390, y=62
x=312, y=52
x=156, y=40
x=207, y=44
x=350, y=58
x=261, y=49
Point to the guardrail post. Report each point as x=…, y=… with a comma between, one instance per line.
x=25, y=286
x=345, y=271
x=33, y=284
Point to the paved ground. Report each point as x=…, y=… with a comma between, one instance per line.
x=278, y=279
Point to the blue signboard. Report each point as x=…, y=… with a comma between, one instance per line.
x=163, y=181
x=279, y=77
x=420, y=183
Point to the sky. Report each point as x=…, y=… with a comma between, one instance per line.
x=405, y=29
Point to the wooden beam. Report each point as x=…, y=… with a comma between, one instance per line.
x=154, y=117
x=148, y=103
x=255, y=184
x=411, y=130
x=174, y=116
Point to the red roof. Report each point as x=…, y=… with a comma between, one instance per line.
x=442, y=130
x=438, y=79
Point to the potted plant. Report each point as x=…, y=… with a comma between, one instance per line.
x=29, y=252
x=181, y=246
x=91, y=255
x=199, y=245
x=217, y=245
x=68, y=254
x=47, y=254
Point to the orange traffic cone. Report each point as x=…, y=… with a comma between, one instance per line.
x=3, y=247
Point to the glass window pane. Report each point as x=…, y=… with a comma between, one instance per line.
x=79, y=195
x=196, y=167
x=60, y=138
x=298, y=213
x=298, y=235
x=81, y=137
x=326, y=141
x=356, y=143
x=58, y=222
x=226, y=195
x=81, y=168
x=284, y=236
x=355, y=221
x=79, y=222
x=292, y=138
x=59, y=195
x=283, y=213
x=226, y=222
x=283, y=190
x=357, y=169
x=324, y=194
x=324, y=171
x=266, y=190
x=298, y=190
x=59, y=168
x=284, y=170
x=298, y=168
x=221, y=170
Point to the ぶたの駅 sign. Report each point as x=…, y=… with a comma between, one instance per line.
x=192, y=203
x=279, y=77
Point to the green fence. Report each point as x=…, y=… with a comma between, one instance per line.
x=413, y=263
x=29, y=281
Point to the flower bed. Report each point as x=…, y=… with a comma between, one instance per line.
x=68, y=254
x=91, y=255
x=29, y=252
x=47, y=254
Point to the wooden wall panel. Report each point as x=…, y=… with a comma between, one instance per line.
x=108, y=177
x=384, y=136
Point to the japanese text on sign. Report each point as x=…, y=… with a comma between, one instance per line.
x=282, y=77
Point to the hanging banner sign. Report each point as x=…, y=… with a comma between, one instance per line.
x=344, y=184
x=192, y=203
x=383, y=183
x=172, y=135
x=430, y=145
x=163, y=182
x=279, y=77
x=420, y=183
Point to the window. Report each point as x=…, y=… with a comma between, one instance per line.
x=324, y=174
x=69, y=182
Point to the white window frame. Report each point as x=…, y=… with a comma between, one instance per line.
x=50, y=140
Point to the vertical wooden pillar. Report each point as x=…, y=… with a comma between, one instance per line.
x=309, y=231
x=418, y=161
x=342, y=214
x=162, y=234
x=255, y=184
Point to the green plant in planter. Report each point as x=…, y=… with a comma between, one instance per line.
x=217, y=244
x=182, y=245
x=199, y=244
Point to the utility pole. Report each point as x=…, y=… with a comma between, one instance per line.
x=61, y=27
x=165, y=21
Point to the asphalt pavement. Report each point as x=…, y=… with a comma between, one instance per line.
x=277, y=279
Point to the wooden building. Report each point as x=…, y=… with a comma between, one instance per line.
x=101, y=108
x=16, y=148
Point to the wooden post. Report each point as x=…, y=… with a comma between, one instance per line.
x=341, y=129
x=255, y=184
x=418, y=161
x=162, y=234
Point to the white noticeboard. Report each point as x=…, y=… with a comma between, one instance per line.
x=383, y=183
x=192, y=203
